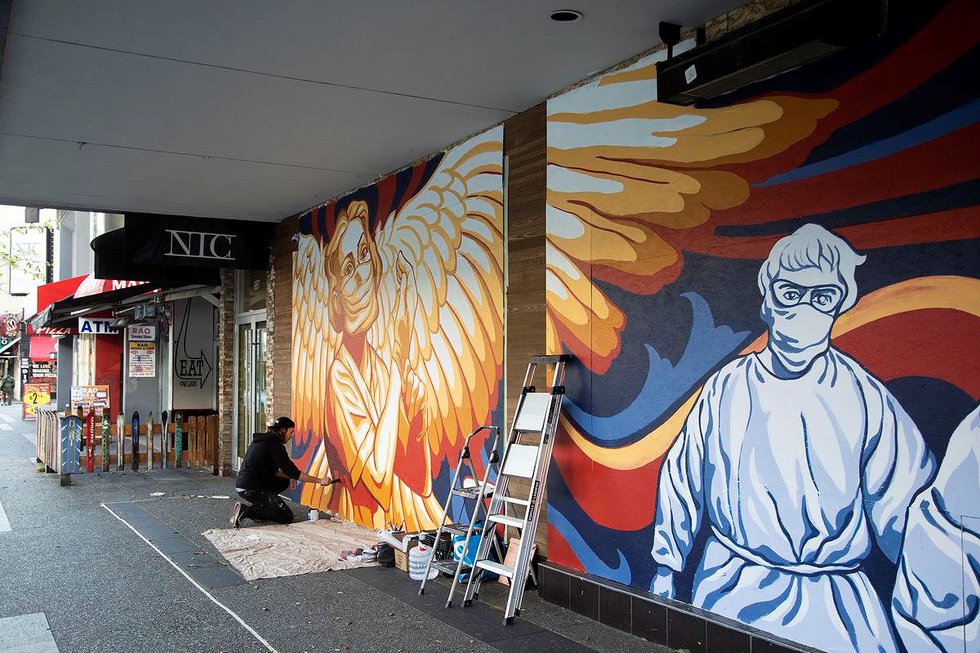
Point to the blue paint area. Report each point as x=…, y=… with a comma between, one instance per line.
x=666, y=384
x=959, y=118
x=592, y=562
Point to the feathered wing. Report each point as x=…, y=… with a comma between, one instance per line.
x=314, y=340
x=627, y=176
x=441, y=294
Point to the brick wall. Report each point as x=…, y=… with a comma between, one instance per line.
x=279, y=320
x=226, y=365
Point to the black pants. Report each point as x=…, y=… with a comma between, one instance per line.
x=267, y=506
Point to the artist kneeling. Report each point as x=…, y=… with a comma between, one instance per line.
x=266, y=471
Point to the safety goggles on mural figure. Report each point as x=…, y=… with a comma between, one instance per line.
x=826, y=299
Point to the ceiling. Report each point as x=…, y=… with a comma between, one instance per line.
x=258, y=110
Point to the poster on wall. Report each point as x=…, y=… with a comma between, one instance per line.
x=773, y=301
x=142, y=359
x=398, y=341
x=193, y=366
x=89, y=398
x=36, y=395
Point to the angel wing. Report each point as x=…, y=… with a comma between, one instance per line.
x=629, y=186
x=441, y=292
x=314, y=341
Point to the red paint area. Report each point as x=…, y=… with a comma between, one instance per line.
x=559, y=552
x=623, y=500
x=937, y=343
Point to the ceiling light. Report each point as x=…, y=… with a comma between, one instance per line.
x=566, y=16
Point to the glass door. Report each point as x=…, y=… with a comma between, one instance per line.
x=250, y=389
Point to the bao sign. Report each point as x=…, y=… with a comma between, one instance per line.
x=142, y=333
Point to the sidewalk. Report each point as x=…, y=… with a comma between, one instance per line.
x=101, y=586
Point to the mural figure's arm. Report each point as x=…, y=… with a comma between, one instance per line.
x=896, y=465
x=936, y=604
x=679, y=498
x=367, y=432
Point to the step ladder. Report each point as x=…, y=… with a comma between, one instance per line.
x=527, y=456
x=473, y=493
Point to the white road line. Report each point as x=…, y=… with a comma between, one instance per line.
x=26, y=632
x=195, y=583
x=4, y=524
x=6, y=418
x=6, y=427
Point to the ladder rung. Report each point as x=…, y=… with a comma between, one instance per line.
x=447, y=566
x=457, y=529
x=496, y=568
x=467, y=492
x=507, y=520
x=515, y=501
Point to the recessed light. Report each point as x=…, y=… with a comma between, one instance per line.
x=566, y=16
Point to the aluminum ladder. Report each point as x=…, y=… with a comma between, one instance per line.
x=527, y=456
x=475, y=492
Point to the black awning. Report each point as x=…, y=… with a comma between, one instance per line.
x=111, y=263
x=74, y=307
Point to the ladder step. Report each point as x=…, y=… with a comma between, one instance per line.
x=515, y=501
x=507, y=520
x=467, y=492
x=447, y=566
x=456, y=529
x=496, y=568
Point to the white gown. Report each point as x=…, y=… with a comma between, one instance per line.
x=795, y=477
x=937, y=595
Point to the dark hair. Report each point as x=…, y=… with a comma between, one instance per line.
x=281, y=425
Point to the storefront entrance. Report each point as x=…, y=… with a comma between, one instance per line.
x=250, y=388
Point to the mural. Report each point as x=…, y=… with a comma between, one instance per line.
x=781, y=471
x=398, y=334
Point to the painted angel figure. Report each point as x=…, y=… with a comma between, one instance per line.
x=409, y=356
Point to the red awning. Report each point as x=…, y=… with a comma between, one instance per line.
x=42, y=347
x=50, y=293
x=91, y=286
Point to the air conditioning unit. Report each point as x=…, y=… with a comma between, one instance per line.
x=787, y=39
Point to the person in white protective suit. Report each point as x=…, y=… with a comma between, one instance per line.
x=937, y=595
x=799, y=461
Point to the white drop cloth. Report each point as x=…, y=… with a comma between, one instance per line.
x=292, y=549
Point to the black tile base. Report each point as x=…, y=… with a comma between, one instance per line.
x=661, y=621
x=615, y=609
x=722, y=639
x=583, y=597
x=649, y=620
x=685, y=630
x=553, y=586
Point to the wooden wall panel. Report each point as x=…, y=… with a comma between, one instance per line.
x=525, y=146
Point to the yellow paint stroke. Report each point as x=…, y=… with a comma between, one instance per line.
x=936, y=292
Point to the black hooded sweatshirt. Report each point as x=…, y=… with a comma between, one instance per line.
x=265, y=455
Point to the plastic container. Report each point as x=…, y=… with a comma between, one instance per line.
x=418, y=559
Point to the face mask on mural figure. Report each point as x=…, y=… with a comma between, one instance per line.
x=799, y=308
x=351, y=268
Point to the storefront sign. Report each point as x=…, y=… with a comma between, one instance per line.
x=55, y=331
x=153, y=239
x=142, y=333
x=96, y=326
x=90, y=397
x=142, y=359
x=36, y=395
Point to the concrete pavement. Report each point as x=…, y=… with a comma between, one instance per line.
x=104, y=566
